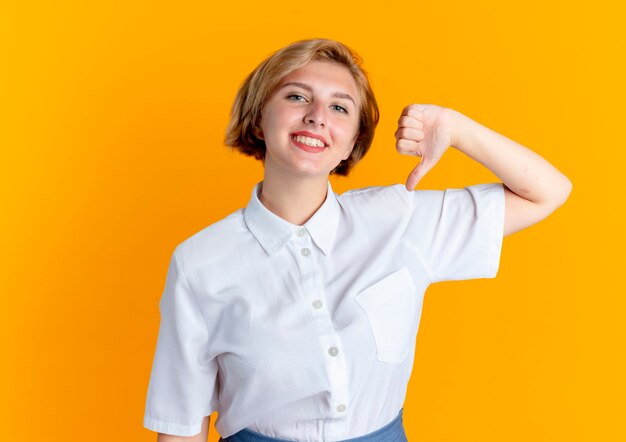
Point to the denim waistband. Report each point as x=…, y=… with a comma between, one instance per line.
x=392, y=432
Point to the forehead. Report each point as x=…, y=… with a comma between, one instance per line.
x=324, y=76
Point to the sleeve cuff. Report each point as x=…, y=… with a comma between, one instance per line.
x=496, y=228
x=170, y=427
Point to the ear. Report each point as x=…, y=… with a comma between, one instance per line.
x=258, y=132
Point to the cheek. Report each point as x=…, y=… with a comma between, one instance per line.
x=356, y=135
x=278, y=120
x=351, y=135
x=352, y=132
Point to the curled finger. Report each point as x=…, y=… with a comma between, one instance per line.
x=408, y=121
x=408, y=147
x=409, y=134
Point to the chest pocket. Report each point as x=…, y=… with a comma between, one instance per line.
x=390, y=308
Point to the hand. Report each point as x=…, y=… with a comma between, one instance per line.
x=423, y=131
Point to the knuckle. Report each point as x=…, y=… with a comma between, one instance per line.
x=412, y=111
x=402, y=146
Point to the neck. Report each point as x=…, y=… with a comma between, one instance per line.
x=294, y=201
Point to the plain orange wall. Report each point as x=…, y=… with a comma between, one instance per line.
x=112, y=117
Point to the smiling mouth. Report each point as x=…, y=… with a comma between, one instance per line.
x=315, y=147
x=308, y=141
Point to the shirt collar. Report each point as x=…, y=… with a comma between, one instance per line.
x=273, y=232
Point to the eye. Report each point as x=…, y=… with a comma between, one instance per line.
x=296, y=97
x=339, y=108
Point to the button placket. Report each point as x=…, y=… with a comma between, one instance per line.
x=311, y=283
x=337, y=370
x=317, y=304
x=326, y=333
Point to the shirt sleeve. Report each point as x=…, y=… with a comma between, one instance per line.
x=457, y=233
x=183, y=382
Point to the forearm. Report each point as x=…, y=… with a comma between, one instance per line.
x=522, y=171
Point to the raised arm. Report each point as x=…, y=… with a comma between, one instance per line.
x=534, y=188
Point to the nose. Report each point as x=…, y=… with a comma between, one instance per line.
x=315, y=114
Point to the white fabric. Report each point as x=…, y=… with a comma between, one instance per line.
x=308, y=332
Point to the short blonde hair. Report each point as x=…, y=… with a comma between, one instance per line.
x=259, y=85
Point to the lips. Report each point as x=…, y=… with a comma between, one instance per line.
x=306, y=147
x=310, y=135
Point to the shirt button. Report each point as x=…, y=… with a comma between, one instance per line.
x=341, y=408
x=305, y=252
x=333, y=351
x=318, y=304
x=300, y=232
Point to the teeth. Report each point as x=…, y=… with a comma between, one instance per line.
x=309, y=141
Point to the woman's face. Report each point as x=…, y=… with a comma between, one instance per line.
x=310, y=123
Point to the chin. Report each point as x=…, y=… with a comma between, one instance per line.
x=310, y=172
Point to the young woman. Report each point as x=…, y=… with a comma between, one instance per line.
x=295, y=318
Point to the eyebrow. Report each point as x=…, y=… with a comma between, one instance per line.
x=310, y=89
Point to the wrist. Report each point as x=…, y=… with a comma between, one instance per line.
x=460, y=127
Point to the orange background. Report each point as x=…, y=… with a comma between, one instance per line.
x=111, y=125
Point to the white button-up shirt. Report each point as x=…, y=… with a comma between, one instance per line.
x=308, y=332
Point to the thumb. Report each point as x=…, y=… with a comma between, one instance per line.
x=417, y=174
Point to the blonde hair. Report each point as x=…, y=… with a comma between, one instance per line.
x=257, y=88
